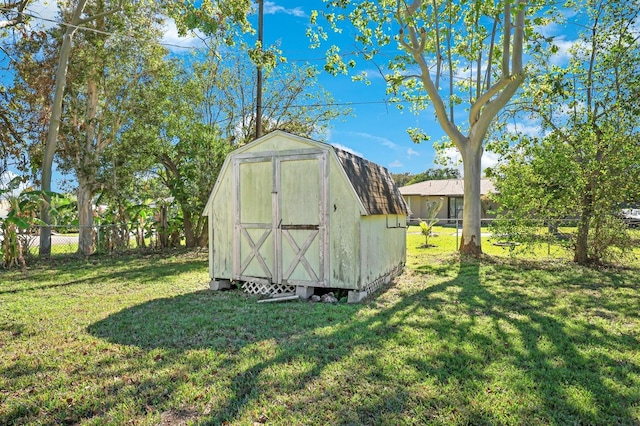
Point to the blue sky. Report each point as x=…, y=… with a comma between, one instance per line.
x=376, y=130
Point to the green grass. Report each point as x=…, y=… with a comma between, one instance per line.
x=446, y=240
x=498, y=341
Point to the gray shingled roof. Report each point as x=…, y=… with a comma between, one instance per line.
x=373, y=184
x=446, y=187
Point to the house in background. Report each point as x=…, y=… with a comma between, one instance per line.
x=451, y=191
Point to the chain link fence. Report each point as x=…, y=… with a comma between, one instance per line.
x=553, y=238
x=550, y=237
x=104, y=239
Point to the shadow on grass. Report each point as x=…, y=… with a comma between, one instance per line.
x=364, y=364
x=141, y=269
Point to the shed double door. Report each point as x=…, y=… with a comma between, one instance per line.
x=280, y=221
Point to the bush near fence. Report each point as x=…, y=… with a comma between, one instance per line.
x=108, y=239
x=552, y=238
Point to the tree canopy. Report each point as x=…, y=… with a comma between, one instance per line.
x=444, y=54
x=585, y=162
x=402, y=179
x=115, y=110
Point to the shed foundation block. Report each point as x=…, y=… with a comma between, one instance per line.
x=217, y=284
x=355, y=296
x=304, y=292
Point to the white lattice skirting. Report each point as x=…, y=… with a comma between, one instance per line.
x=265, y=288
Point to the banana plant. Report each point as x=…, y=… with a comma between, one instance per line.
x=433, y=207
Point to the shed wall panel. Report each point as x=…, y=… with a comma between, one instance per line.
x=300, y=194
x=257, y=257
x=344, y=231
x=383, y=245
x=221, y=220
x=255, y=192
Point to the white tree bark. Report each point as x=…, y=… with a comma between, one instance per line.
x=54, y=126
x=56, y=115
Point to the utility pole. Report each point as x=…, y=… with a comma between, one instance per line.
x=259, y=82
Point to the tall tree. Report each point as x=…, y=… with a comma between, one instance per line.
x=454, y=52
x=186, y=150
x=292, y=97
x=114, y=56
x=208, y=15
x=75, y=12
x=588, y=162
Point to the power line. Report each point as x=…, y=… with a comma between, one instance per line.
x=343, y=55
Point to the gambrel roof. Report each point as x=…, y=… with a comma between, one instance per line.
x=373, y=185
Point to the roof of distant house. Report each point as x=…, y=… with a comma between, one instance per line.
x=444, y=188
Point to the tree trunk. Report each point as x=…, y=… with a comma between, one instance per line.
x=86, y=241
x=581, y=255
x=196, y=232
x=472, y=166
x=54, y=127
x=190, y=238
x=203, y=233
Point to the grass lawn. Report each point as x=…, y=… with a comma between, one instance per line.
x=141, y=340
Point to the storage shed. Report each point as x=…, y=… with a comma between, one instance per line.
x=292, y=214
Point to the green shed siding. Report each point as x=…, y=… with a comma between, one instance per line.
x=221, y=227
x=383, y=245
x=344, y=242
x=287, y=210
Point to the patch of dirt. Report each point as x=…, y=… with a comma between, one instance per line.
x=178, y=417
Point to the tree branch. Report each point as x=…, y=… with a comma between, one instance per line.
x=491, y=108
x=436, y=25
x=99, y=15
x=477, y=106
x=490, y=57
x=19, y=5
x=416, y=49
x=506, y=39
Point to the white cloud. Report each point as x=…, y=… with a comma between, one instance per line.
x=452, y=156
x=395, y=164
x=346, y=148
x=489, y=159
x=45, y=14
x=469, y=73
x=382, y=141
x=271, y=8
x=172, y=39
x=411, y=152
x=533, y=130
x=564, y=48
